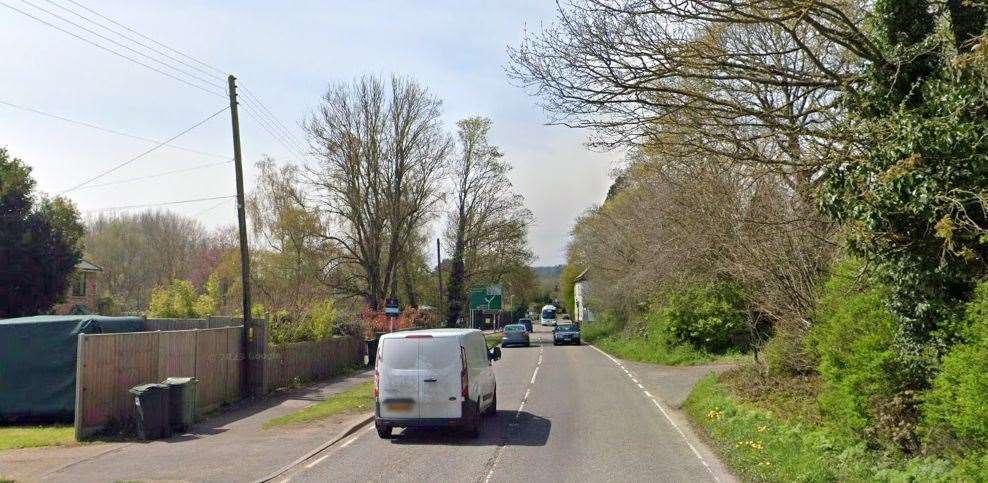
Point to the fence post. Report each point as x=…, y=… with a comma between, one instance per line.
x=254, y=358
x=78, y=419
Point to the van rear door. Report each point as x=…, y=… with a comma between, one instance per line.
x=400, y=378
x=440, y=389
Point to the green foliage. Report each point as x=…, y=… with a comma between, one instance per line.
x=566, y=280
x=40, y=243
x=648, y=340
x=956, y=402
x=180, y=300
x=761, y=445
x=786, y=354
x=708, y=316
x=321, y=322
x=853, y=339
x=916, y=202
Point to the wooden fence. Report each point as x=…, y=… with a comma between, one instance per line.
x=108, y=365
x=300, y=362
x=189, y=324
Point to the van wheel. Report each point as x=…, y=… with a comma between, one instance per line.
x=472, y=428
x=383, y=431
x=492, y=409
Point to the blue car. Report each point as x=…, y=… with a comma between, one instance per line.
x=566, y=334
x=515, y=334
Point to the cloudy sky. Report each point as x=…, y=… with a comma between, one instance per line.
x=285, y=53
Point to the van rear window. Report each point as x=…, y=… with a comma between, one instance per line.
x=400, y=353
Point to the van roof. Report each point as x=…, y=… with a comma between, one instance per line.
x=431, y=332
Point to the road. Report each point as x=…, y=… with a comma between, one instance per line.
x=567, y=413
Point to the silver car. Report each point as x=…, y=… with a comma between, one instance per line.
x=515, y=334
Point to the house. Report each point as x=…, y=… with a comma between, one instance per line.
x=80, y=298
x=581, y=297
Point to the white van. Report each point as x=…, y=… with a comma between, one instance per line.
x=437, y=377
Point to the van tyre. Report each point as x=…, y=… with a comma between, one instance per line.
x=383, y=431
x=472, y=427
x=492, y=409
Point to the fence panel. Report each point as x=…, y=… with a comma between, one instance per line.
x=110, y=364
x=309, y=361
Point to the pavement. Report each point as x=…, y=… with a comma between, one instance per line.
x=231, y=446
x=567, y=413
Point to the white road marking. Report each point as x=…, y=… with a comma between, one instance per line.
x=534, y=374
x=666, y=414
x=316, y=462
x=633, y=379
x=641, y=387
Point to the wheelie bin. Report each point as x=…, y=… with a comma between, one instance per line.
x=152, y=411
x=181, y=402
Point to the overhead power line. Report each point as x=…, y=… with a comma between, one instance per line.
x=149, y=39
x=139, y=156
x=138, y=42
x=114, y=52
x=107, y=130
x=118, y=44
x=164, y=203
x=156, y=175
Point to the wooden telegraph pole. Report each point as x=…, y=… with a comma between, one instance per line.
x=245, y=339
x=439, y=278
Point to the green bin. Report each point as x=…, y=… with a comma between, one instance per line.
x=152, y=411
x=181, y=402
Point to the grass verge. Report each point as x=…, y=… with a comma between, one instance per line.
x=654, y=347
x=761, y=445
x=493, y=339
x=358, y=399
x=12, y=437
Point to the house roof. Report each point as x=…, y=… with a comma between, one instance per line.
x=87, y=266
x=582, y=276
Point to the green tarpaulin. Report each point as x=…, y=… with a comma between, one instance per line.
x=37, y=362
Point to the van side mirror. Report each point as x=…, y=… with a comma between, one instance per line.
x=495, y=353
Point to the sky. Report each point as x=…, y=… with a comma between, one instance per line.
x=285, y=54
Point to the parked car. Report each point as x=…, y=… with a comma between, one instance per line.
x=515, y=334
x=566, y=334
x=436, y=377
x=527, y=323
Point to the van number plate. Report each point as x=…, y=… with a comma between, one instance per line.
x=399, y=407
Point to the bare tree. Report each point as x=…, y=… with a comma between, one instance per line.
x=488, y=225
x=382, y=155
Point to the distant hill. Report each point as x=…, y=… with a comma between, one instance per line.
x=548, y=272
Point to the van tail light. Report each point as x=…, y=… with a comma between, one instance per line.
x=464, y=376
x=377, y=375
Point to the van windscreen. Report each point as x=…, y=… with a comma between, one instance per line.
x=400, y=353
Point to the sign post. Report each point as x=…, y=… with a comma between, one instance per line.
x=391, y=310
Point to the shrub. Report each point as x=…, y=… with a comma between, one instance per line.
x=786, y=354
x=179, y=299
x=853, y=339
x=956, y=400
x=709, y=316
x=608, y=324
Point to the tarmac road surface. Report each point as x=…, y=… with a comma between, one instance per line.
x=566, y=413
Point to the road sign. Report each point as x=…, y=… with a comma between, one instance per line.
x=391, y=308
x=486, y=297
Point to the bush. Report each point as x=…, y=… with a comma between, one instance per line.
x=709, y=316
x=180, y=300
x=786, y=354
x=853, y=339
x=608, y=324
x=956, y=402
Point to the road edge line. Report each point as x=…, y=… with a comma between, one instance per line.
x=668, y=418
x=347, y=432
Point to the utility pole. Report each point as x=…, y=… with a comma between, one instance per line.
x=245, y=338
x=439, y=278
